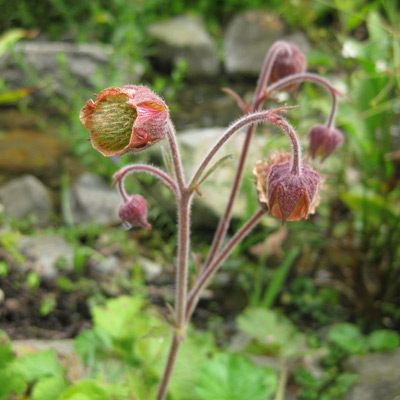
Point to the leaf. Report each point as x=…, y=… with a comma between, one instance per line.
x=39, y=365
x=8, y=39
x=347, y=337
x=233, y=377
x=119, y=317
x=383, y=340
x=195, y=185
x=12, y=381
x=6, y=354
x=48, y=388
x=85, y=390
x=271, y=333
x=193, y=355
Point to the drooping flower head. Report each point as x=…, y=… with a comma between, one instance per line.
x=287, y=196
x=133, y=212
x=290, y=60
x=324, y=141
x=121, y=120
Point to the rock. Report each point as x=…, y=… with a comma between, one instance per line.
x=248, y=37
x=94, y=201
x=46, y=255
x=107, y=265
x=51, y=64
x=30, y=151
x=151, y=269
x=26, y=197
x=185, y=37
x=215, y=191
x=378, y=376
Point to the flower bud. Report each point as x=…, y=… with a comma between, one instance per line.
x=287, y=196
x=134, y=212
x=289, y=60
x=125, y=119
x=324, y=140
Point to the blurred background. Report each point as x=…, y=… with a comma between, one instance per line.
x=315, y=303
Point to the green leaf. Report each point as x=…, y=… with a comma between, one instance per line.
x=6, y=353
x=8, y=39
x=347, y=337
x=48, y=388
x=271, y=333
x=233, y=377
x=196, y=184
x=12, y=381
x=119, y=317
x=85, y=390
x=383, y=340
x=193, y=355
x=39, y=365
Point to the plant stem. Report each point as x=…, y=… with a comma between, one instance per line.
x=176, y=156
x=262, y=81
x=209, y=272
x=306, y=76
x=120, y=176
x=173, y=351
x=181, y=280
x=244, y=121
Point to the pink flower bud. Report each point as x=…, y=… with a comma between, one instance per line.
x=134, y=212
x=324, y=140
x=125, y=119
x=290, y=60
x=287, y=196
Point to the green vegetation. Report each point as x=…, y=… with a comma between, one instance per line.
x=335, y=296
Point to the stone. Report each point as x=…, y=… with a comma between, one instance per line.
x=215, y=190
x=151, y=270
x=53, y=63
x=247, y=39
x=93, y=201
x=31, y=151
x=26, y=197
x=378, y=376
x=185, y=37
x=46, y=255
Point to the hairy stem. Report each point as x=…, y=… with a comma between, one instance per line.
x=242, y=122
x=119, y=177
x=306, y=76
x=256, y=105
x=176, y=156
x=209, y=272
x=173, y=352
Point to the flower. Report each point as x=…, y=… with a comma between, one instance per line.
x=324, y=140
x=287, y=196
x=125, y=119
x=289, y=60
x=133, y=212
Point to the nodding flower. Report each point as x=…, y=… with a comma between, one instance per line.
x=286, y=195
x=127, y=119
x=324, y=140
x=133, y=212
x=289, y=60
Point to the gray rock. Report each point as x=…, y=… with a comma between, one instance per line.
x=215, y=190
x=26, y=197
x=46, y=255
x=94, y=201
x=248, y=37
x=151, y=269
x=51, y=64
x=378, y=376
x=107, y=265
x=186, y=37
